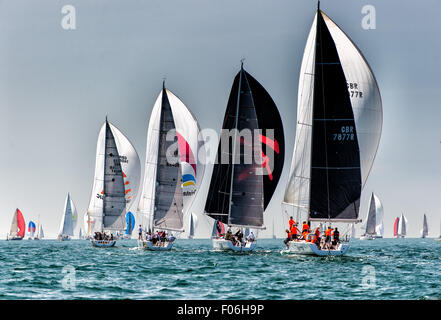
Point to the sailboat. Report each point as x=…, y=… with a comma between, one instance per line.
x=240, y=187
x=130, y=225
x=400, y=227
x=36, y=236
x=80, y=234
x=40, y=233
x=116, y=182
x=31, y=229
x=374, y=220
x=66, y=225
x=192, y=223
x=173, y=169
x=339, y=122
x=425, y=230
x=18, y=226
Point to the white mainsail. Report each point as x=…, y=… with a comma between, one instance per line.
x=365, y=100
x=169, y=188
x=116, y=182
x=41, y=233
x=374, y=217
x=66, y=225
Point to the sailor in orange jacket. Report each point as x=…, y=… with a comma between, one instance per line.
x=294, y=231
x=328, y=233
x=291, y=222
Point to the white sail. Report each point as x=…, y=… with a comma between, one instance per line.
x=66, y=225
x=297, y=190
x=366, y=105
x=368, y=110
x=126, y=182
x=379, y=230
x=80, y=234
x=41, y=233
x=402, y=226
x=189, y=151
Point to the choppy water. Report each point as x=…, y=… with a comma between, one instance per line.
x=402, y=269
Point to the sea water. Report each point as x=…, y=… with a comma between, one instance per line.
x=378, y=269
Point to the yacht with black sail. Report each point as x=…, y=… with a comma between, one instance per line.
x=241, y=190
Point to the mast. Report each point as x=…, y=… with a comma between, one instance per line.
x=104, y=177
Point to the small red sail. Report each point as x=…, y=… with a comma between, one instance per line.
x=397, y=220
x=21, y=224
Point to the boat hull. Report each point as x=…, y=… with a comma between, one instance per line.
x=437, y=239
x=307, y=248
x=15, y=238
x=103, y=243
x=367, y=237
x=227, y=245
x=148, y=245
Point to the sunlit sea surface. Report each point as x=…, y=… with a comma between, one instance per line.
x=378, y=269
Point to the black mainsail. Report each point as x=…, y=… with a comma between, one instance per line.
x=335, y=163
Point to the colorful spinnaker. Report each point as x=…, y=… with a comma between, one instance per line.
x=18, y=226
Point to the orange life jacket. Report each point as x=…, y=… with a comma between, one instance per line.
x=305, y=227
x=317, y=232
x=328, y=232
x=291, y=223
x=294, y=230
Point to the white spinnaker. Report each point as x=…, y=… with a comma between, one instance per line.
x=296, y=200
x=131, y=167
x=379, y=230
x=368, y=110
x=130, y=164
x=41, y=233
x=186, y=126
x=66, y=225
x=188, y=129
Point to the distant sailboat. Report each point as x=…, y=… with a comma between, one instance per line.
x=192, y=224
x=18, y=226
x=240, y=190
x=425, y=230
x=339, y=123
x=80, y=234
x=116, y=182
x=37, y=235
x=31, y=230
x=374, y=220
x=173, y=168
x=40, y=233
x=400, y=227
x=66, y=226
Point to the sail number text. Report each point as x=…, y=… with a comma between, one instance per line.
x=354, y=90
x=346, y=134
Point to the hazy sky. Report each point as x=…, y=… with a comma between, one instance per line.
x=57, y=86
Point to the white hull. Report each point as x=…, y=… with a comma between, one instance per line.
x=367, y=237
x=437, y=239
x=15, y=238
x=226, y=245
x=307, y=248
x=103, y=243
x=148, y=245
x=63, y=238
